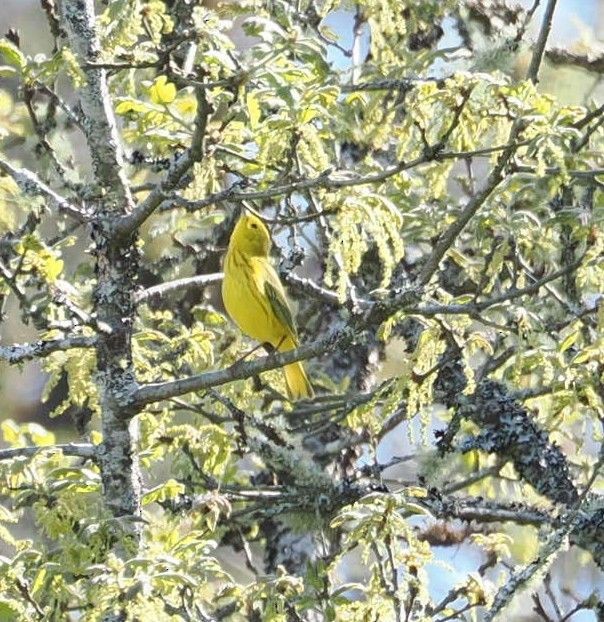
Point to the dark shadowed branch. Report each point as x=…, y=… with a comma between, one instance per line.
x=546, y=25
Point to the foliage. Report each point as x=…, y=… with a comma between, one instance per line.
x=364, y=151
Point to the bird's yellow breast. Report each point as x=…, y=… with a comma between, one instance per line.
x=246, y=303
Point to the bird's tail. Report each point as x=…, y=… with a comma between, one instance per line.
x=298, y=384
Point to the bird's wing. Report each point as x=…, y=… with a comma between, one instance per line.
x=278, y=301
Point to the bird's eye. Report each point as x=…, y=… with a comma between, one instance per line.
x=254, y=225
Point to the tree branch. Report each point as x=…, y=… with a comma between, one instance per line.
x=31, y=185
x=150, y=393
x=69, y=112
x=555, y=170
x=590, y=116
x=116, y=268
x=546, y=25
x=485, y=511
x=194, y=154
x=521, y=577
x=450, y=235
x=471, y=308
x=178, y=284
x=81, y=450
x=98, y=123
x=308, y=286
x=19, y=353
x=404, y=85
x=327, y=180
x=495, y=177
x=589, y=62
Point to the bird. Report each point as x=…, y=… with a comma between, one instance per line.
x=255, y=300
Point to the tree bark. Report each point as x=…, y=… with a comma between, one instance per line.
x=116, y=268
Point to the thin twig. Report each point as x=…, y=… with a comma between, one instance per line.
x=327, y=179
x=546, y=25
x=192, y=282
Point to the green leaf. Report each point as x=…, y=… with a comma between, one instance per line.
x=12, y=54
x=7, y=72
x=253, y=108
x=7, y=536
x=11, y=432
x=329, y=34
x=9, y=611
x=39, y=434
x=127, y=104
x=39, y=580
x=162, y=91
x=583, y=356
x=175, y=579
x=263, y=28
x=308, y=114
x=168, y=490
x=569, y=341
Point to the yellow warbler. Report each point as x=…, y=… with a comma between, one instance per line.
x=255, y=299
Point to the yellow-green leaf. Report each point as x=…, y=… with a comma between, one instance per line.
x=168, y=490
x=253, y=108
x=10, y=431
x=12, y=54
x=162, y=91
x=569, y=341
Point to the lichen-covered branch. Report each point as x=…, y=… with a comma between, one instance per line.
x=116, y=264
x=20, y=352
x=98, y=119
x=31, y=185
x=150, y=393
x=589, y=61
x=81, y=450
x=508, y=430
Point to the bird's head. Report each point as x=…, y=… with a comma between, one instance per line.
x=251, y=236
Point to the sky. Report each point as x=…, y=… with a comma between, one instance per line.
x=572, y=19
